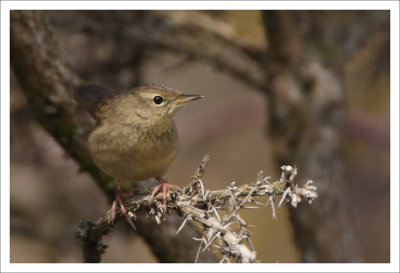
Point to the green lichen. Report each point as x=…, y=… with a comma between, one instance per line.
x=278, y=187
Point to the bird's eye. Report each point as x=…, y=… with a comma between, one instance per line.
x=158, y=100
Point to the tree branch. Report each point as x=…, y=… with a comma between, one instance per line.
x=229, y=233
x=201, y=42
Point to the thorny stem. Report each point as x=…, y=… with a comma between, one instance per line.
x=194, y=204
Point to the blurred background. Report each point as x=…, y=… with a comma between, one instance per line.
x=229, y=57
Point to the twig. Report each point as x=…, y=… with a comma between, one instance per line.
x=183, y=224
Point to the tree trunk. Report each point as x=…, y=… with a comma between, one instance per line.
x=306, y=105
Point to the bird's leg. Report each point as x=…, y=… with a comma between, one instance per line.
x=119, y=200
x=129, y=193
x=164, y=186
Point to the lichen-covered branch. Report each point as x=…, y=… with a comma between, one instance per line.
x=218, y=212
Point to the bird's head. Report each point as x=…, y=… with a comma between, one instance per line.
x=149, y=103
x=158, y=101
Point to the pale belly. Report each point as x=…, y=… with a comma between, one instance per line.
x=122, y=154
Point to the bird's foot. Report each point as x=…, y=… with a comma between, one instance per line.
x=164, y=186
x=119, y=201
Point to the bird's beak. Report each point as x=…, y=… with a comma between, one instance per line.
x=186, y=98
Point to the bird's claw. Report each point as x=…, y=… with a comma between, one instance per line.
x=119, y=200
x=164, y=186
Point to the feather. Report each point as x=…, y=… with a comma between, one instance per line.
x=92, y=96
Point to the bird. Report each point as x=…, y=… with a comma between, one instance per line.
x=135, y=136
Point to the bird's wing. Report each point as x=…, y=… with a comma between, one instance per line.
x=92, y=96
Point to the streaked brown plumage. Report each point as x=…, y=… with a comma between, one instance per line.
x=135, y=137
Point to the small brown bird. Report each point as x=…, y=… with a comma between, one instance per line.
x=135, y=137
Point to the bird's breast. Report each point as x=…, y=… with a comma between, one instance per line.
x=134, y=152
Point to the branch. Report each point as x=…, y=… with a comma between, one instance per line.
x=200, y=42
x=229, y=233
